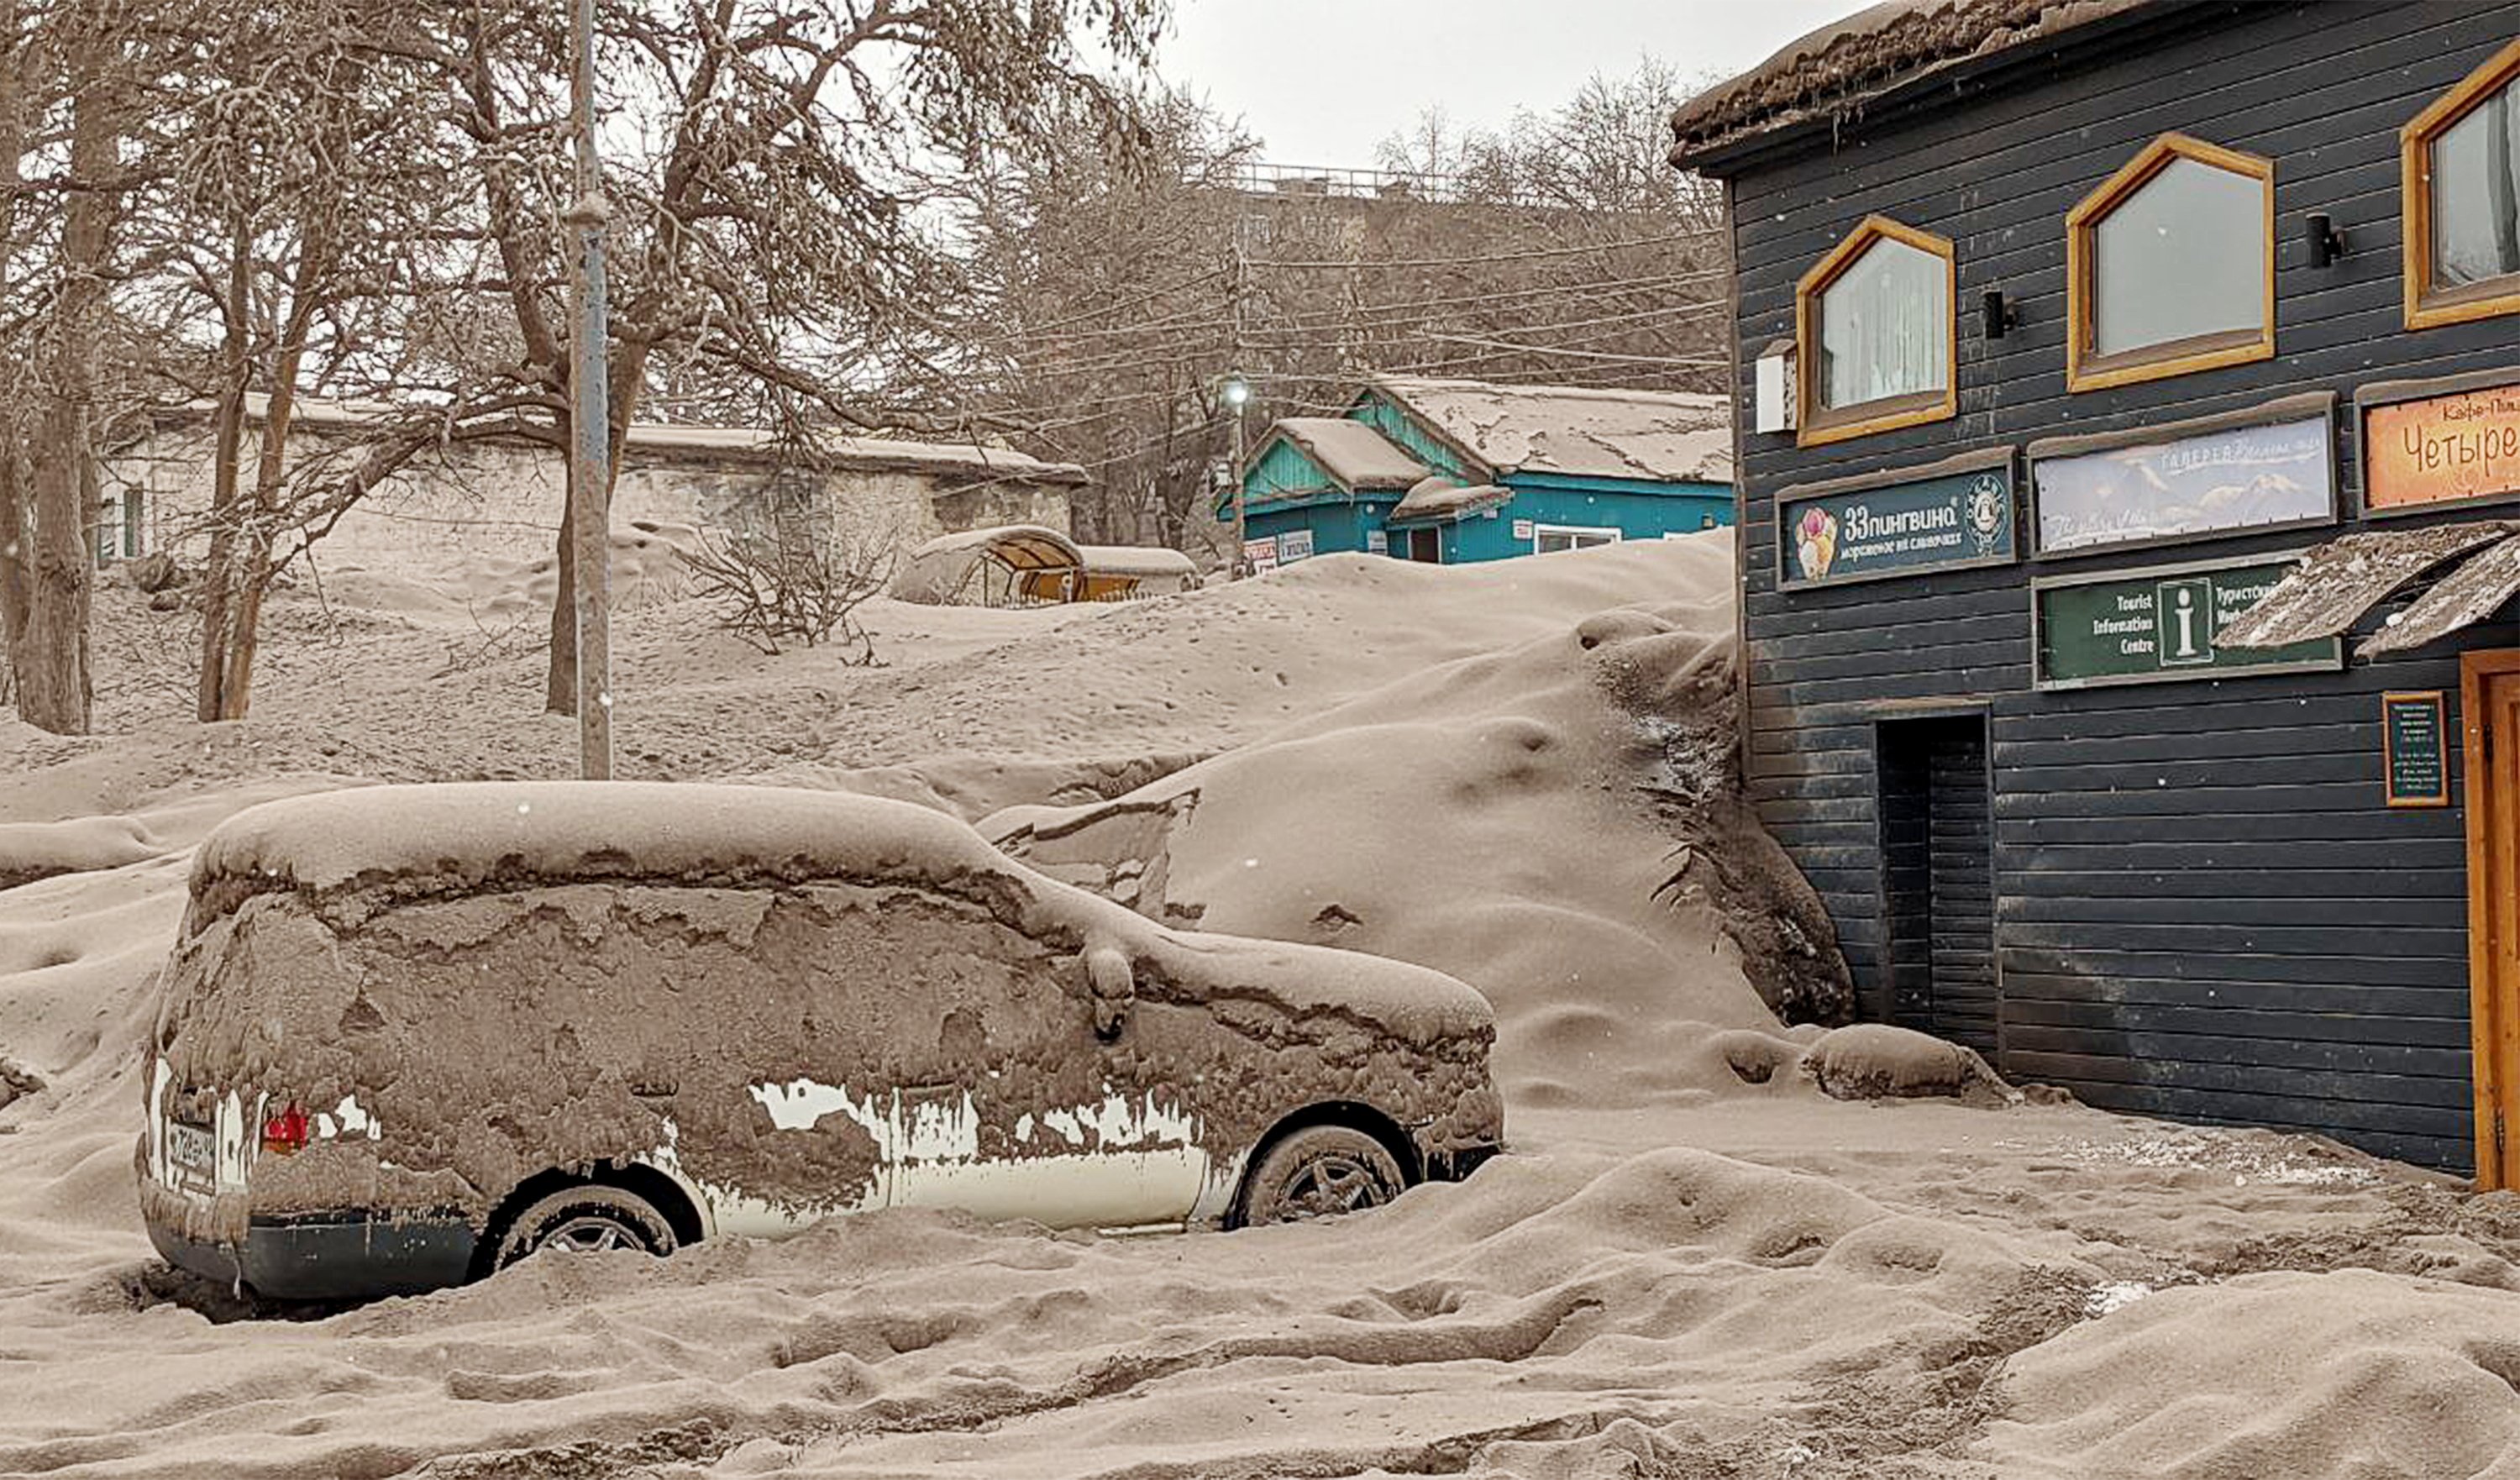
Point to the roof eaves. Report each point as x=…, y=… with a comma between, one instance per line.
x=1714, y=134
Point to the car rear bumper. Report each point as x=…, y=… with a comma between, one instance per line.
x=330, y=1256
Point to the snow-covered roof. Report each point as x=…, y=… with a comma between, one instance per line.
x=1661, y=436
x=1837, y=68
x=1436, y=500
x=748, y=445
x=1358, y=456
x=869, y=453
x=1136, y=559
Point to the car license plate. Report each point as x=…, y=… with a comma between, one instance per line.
x=194, y=1152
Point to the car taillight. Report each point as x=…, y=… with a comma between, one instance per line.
x=285, y=1132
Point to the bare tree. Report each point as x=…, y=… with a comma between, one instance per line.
x=771, y=164
x=307, y=191
x=1117, y=298
x=50, y=659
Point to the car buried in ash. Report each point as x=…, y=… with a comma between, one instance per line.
x=412, y=1034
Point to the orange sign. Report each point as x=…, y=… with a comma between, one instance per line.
x=2442, y=450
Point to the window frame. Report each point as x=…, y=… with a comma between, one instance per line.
x=1814, y=425
x=1571, y=531
x=2088, y=369
x=2426, y=308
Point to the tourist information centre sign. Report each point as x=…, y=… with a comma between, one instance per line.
x=1946, y=516
x=2161, y=625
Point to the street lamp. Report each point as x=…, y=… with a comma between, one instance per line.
x=1236, y=392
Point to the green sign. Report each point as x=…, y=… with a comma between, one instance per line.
x=2151, y=626
x=1934, y=523
x=2411, y=735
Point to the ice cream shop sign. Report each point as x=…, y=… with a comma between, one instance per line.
x=1953, y=515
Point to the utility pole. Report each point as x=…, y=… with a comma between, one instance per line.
x=1236, y=392
x=590, y=424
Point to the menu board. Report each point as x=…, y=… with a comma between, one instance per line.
x=2157, y=625
x=2415, y=746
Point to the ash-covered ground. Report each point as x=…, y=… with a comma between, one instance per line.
x=1694, y=1263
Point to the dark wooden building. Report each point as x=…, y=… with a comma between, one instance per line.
x=2068, y=334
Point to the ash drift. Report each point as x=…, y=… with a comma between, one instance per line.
x=410, y=1033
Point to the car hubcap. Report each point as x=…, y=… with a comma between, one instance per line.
x=1334, y=1185
x=589, y=1235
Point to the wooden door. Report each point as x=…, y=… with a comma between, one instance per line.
x=2489, y=694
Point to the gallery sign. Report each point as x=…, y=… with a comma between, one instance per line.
x=2459, y=444
x=2161, y=624
x=1946, y=516
x=2269, y=467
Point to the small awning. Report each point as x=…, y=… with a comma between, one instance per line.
x=2461, y=599
x=2346, y=577
x=1435, y=500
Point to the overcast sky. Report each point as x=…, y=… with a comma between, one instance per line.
x=1324, y=81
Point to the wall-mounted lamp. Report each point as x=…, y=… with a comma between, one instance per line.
x=2320, y=234
x=1999, y=315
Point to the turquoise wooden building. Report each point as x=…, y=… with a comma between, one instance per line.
x=1458, y=471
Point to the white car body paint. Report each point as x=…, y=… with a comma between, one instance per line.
x=346, y=1119
x=927, y=1144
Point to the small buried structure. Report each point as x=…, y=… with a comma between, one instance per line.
x=1130, y=572
x=1028, y=565
x=988, y=567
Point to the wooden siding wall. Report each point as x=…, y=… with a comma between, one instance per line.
x=2204, y=909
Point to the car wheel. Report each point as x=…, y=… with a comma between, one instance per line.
x=587, y=1219
x=1320, y=1171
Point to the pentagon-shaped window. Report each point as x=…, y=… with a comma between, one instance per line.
x=1875, y=331
x=2169, y=266
x=2460, y=168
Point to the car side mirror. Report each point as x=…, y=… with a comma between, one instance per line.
x=1116, y=987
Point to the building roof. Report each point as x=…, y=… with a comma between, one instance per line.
x=1838, y=69
x=733, y=444
x=1358, y=456
x=1649, y=436
x=872, y=454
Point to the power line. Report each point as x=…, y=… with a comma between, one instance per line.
x=1509, y=256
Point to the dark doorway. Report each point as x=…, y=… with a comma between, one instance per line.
x=1938, y=879
x=1427, y=545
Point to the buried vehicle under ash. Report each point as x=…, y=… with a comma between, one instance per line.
x=410, y=1034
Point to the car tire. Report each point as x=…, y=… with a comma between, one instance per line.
x=1320, y=1172
x=586, y=1219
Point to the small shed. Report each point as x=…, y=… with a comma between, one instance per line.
x=1004, y=567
